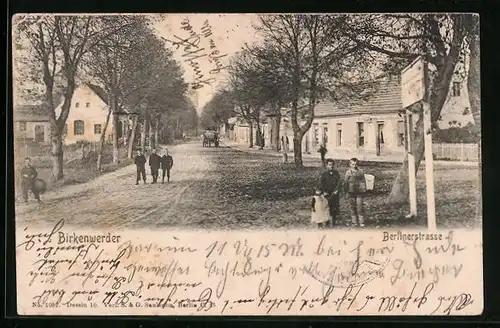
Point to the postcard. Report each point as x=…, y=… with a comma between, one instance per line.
x=247, y=164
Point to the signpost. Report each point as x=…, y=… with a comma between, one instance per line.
x=414, y=84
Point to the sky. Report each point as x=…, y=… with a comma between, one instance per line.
x=229, y=32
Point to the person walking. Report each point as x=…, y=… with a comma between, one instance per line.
x=330, y=183
x=154, y=164
x=166, y=164
x=140, y=163
x=28, y=177
x=322, y=151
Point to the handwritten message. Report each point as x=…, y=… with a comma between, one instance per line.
x=330, y=272
x=198, y=47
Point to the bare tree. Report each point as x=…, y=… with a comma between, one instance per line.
x=320, y=60
x=402, y=37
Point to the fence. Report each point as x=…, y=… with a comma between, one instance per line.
x=456, y=152
x=41, y=152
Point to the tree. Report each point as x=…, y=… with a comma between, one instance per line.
x=321, y=61
x=439, y=38
x=57, y=44
x=112, y=60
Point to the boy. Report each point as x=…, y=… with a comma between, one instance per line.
x=355, y=186
x=166, y=164
x=330, y=185
x=140, y=163
x=28, y=177
x=154, y=164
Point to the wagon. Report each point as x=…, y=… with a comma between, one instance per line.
x=210, y=138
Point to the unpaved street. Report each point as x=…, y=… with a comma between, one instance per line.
x=114, y=200
x=223, y=188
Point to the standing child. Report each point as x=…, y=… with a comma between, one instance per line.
x=355, y=186
x=320, y=212
x=166, y=165
x=140, y=163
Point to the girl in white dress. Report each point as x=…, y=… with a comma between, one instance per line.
x=320, y=212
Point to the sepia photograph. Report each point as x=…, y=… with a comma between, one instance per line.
x=247, y=164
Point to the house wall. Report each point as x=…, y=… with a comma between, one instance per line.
x=350, y=137
x=30, y=131
x=88, y=107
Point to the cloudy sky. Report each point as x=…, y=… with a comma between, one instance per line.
x=229, y=32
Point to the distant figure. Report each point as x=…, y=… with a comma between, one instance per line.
x=322, y=151
x=330, y=185
x=355, y=187
x=166, y=164
x=154, y=164
x=320, y=212
x=140, y=163
x=28, y=177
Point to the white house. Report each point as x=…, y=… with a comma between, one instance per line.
x=87, y=115
x=375, y=126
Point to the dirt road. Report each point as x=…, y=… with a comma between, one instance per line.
x=114, y=200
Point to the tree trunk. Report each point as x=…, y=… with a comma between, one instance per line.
x=150, y=132
x=250, y=124
x=57, y=157
x=297, y=150
x=143, y=136
x=474, y=91
x=260, y=142
x=156, y=133
x=131, y=140
x=276, y=128
x=102, y=141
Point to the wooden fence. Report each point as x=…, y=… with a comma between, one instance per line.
x=456, y=152
x=41, y=152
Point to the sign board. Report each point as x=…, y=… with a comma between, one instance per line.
x=413, y=82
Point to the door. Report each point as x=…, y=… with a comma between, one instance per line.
x=39, y=133
x=380, y=138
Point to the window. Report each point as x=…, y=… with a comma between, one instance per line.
x=87, y=105
x=79, y=128
x=339, y=134
x=361, y=134
x=381, y=133
x=77, y=104
x=22, y=126
x=325, y=134
x=456, y=89
x=97, y=128
x=401, y=134
x=316, y=133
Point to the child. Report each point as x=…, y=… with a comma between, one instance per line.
x=355, y=186
x=320, y=212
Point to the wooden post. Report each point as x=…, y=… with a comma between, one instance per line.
x=412, y=180
x=429, y=168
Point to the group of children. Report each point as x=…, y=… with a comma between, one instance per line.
x=325, y=203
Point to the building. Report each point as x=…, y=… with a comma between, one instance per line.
x=87, y=116
x=364, y=127
x=31, y=123
x=374, y=126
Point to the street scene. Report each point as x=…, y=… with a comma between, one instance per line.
x=233, y=122
x=218, y=188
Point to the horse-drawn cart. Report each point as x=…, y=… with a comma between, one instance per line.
x=210, y=138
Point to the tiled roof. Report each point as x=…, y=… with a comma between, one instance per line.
x=30, y=113
x=386, y=98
